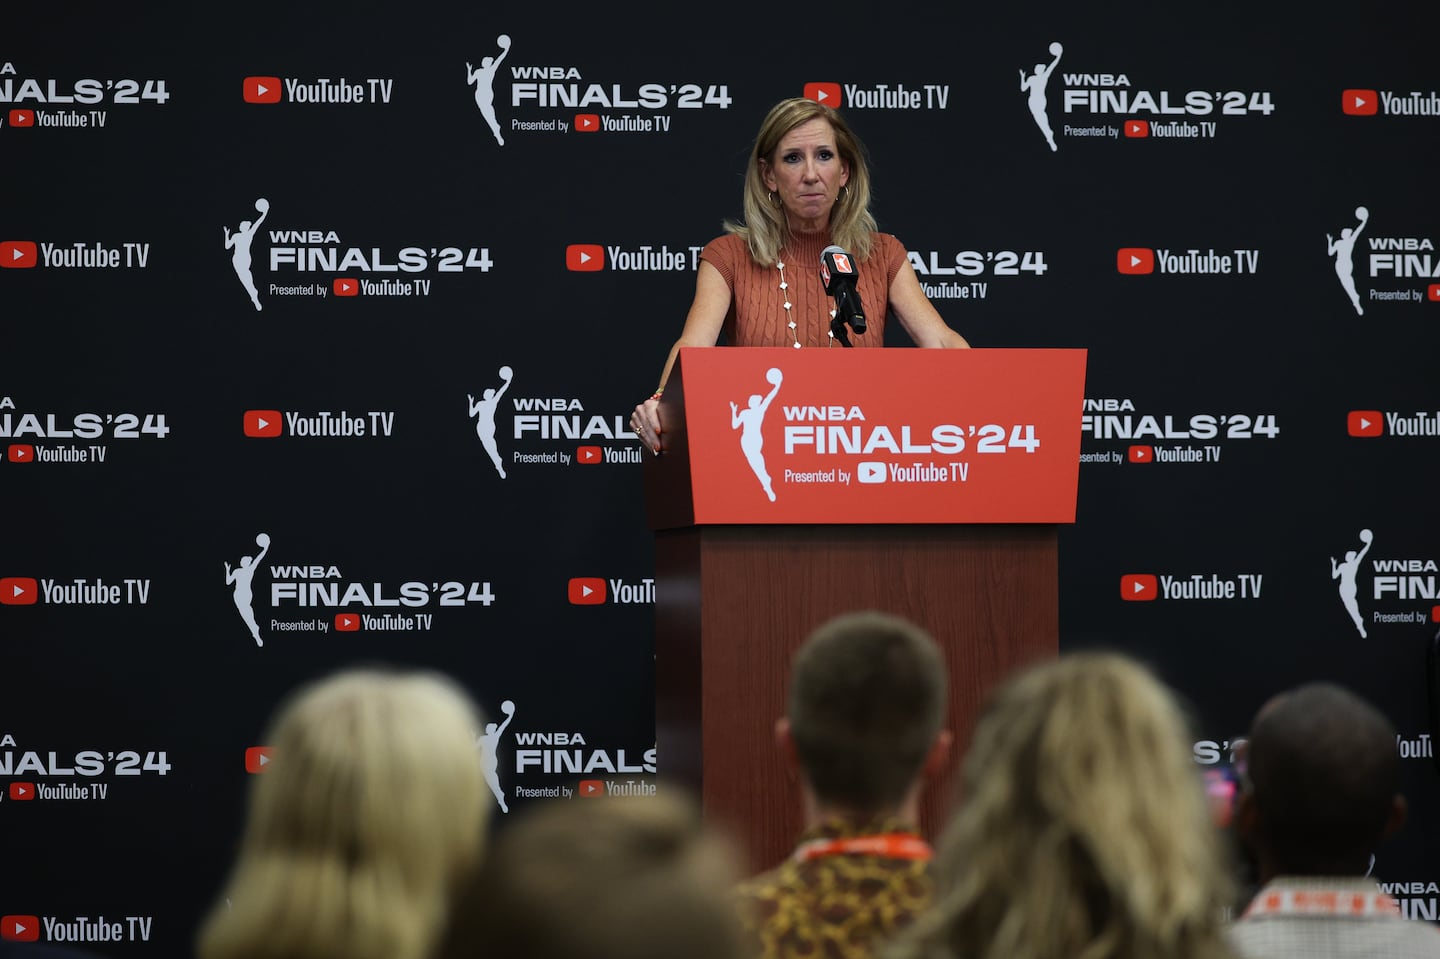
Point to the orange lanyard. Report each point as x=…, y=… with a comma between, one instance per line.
x=891, y=845
x=1322, y=902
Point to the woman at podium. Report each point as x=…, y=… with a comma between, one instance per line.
x=807, y=265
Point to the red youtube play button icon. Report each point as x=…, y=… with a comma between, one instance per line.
x=19, y=591
x=262, y=90
x=20, y=928
x=1139, y=587
x=590, y=788
x=1135, y=260
x=19, y=254
x=20, y=453
x=587, y=455
x=584, y=257
x=257, y=760
x=587, y=591
x=346, y=286
x=347, y=622
x=22, y=118
x=264, y=424
x=826, y=93
x=587, y=122
x=1360, y=103
x=1365, y=423
x=1141, y=454
x=1137, y=129
x=22, y=792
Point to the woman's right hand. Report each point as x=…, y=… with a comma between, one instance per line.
x=645, y=423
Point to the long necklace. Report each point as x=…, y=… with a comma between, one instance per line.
x=785, y=292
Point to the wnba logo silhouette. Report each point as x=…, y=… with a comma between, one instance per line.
x=483, y=80
x=238, y=243
x=239, y=579
x=489, y=744
x=1343, y=250
x=749, y=422
x=1345, y=573
x=484, y=409
x=1034, y=86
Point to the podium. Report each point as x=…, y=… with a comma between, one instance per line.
x=799, y=484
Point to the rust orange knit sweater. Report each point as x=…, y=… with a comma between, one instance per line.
x=757, y=314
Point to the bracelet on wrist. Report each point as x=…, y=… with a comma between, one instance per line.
x=657, y=394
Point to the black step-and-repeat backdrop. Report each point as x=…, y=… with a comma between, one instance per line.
x=321, y=329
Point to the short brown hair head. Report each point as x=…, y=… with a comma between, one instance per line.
x=867, y=699
x=603, y=878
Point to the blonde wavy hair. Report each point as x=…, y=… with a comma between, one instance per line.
x=1084, y=831
x=765, y=227
x=371, y=812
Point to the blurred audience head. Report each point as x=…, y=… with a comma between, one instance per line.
x=867, y=700
x=1083, y=829
x=1322, y=784
x=373, y=808
x=603, y=878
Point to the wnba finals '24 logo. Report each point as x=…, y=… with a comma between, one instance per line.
x=239, y=578
x=484, y=410
x=238, y=243
x=1345, y=571
x=750, y=421
x=482, y=78
x=1033, y=86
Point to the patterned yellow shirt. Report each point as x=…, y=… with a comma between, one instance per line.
x=834, y=907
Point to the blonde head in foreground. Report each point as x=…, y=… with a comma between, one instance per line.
x=1083, y=831
x=371, y=812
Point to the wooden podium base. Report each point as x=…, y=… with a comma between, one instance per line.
x=733, y=603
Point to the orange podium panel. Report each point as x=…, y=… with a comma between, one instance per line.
x=799, y=484
x=869, y=436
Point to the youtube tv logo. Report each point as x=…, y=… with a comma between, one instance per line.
x=1139, y=587
x=1365, y=423
x=19, y=591
x=1360, y=103
x=870, y=472
x=20, y=928
x=1134, y=260
x=1141, y=454
x=264, y=424
x=347, y=623
x=590, y=788
x=18, y=254
x=262, y=89
x=22, y=792
x=346, y=286
x=587, y=122
x=20, y=453
x=257, y=760
x=584, y=257
x=826, y=93
x=588, y=455
x=22, y=118
x=1137, y=129
x=587, y=591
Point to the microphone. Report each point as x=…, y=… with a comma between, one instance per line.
x=837, y=269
